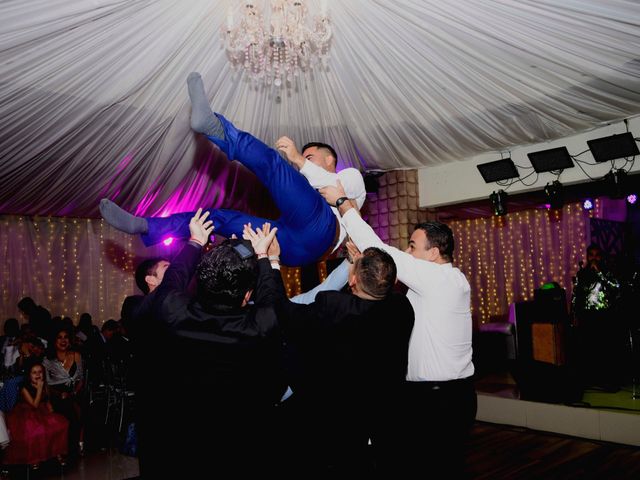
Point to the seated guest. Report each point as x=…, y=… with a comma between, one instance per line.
x=213, y=366
x=65, y=377
x=86, y=329
x=37, y=433
x=30, y=348
x=8, y=343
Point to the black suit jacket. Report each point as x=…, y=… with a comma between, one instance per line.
x=350, y=357
x=217, y=373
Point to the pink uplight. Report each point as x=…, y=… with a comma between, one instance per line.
x=167, y=241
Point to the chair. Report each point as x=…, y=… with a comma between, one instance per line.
x=120, y=392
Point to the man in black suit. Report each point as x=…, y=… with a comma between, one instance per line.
x=214, y=370
x=352, y=350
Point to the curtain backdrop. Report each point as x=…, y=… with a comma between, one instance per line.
x=507, y=258
x=74, y=265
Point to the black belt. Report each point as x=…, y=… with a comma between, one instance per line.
x=436, y=384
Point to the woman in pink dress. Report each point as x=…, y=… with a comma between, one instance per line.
x=36, y=432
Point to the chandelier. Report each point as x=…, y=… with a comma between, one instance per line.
x=277, y=52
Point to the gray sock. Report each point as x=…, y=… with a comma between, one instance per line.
x=202, y=118
x=123, y=221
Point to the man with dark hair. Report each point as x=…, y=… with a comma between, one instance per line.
x=37, y=316
x=441, y=398
x=308, y=228
x=148, y=276
x=150, y=272
x=351, y=355
x=214, y=366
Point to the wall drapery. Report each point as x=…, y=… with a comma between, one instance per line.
x=74, y=265
x=507, y=258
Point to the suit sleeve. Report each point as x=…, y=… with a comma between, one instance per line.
x=267, y=284
x=177, y=277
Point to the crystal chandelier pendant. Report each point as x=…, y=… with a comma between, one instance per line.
x=276, y=52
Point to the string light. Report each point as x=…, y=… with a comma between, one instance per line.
x=507, y=258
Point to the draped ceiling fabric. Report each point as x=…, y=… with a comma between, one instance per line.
x=93, y=101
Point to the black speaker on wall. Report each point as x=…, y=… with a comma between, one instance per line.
x=498, y=170
x=550, y=160
x=616, y=146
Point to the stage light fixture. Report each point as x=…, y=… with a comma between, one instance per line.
x=616, y=146
x=499, y=170
x=167, y=241
x=632, y=199
x=550, y=160
x=587, y=204
x=616, y=183
x=499, y=202
x=555, y=194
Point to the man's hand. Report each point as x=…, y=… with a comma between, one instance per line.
x=200, y=228
x=259, y=240
x=274, y=248
x=331, y=194
x=353, y=251
x=288, y=148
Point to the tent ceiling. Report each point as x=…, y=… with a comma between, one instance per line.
x=93, y=99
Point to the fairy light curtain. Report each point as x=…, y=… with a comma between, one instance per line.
x=72, y=265
x=507, y=258
x=93, y=100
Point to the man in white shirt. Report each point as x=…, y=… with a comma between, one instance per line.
x=308, y=229
x=441, y=398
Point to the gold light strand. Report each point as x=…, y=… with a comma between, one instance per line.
x=101, y=299
x=63, y=277
x=76, y=265
x=492, y=283
x=481, y=294
x=526, y=219
x=6, y=265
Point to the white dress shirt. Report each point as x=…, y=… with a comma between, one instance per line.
x=440, y=344
x=351, y=180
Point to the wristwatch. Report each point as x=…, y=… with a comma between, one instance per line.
x=340, y=201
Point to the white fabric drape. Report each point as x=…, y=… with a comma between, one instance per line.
x=93, y=99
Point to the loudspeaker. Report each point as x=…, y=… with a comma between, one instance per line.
x=525, y=315
x=548, y=342
x=543, y=382
x=615, y=146
x=550, y=160
x=551, y=304
x=498, y=170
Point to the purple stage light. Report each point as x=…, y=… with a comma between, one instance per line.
x=632, y=199
x=587, y=204
x=547, y=206
x=167, y=241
